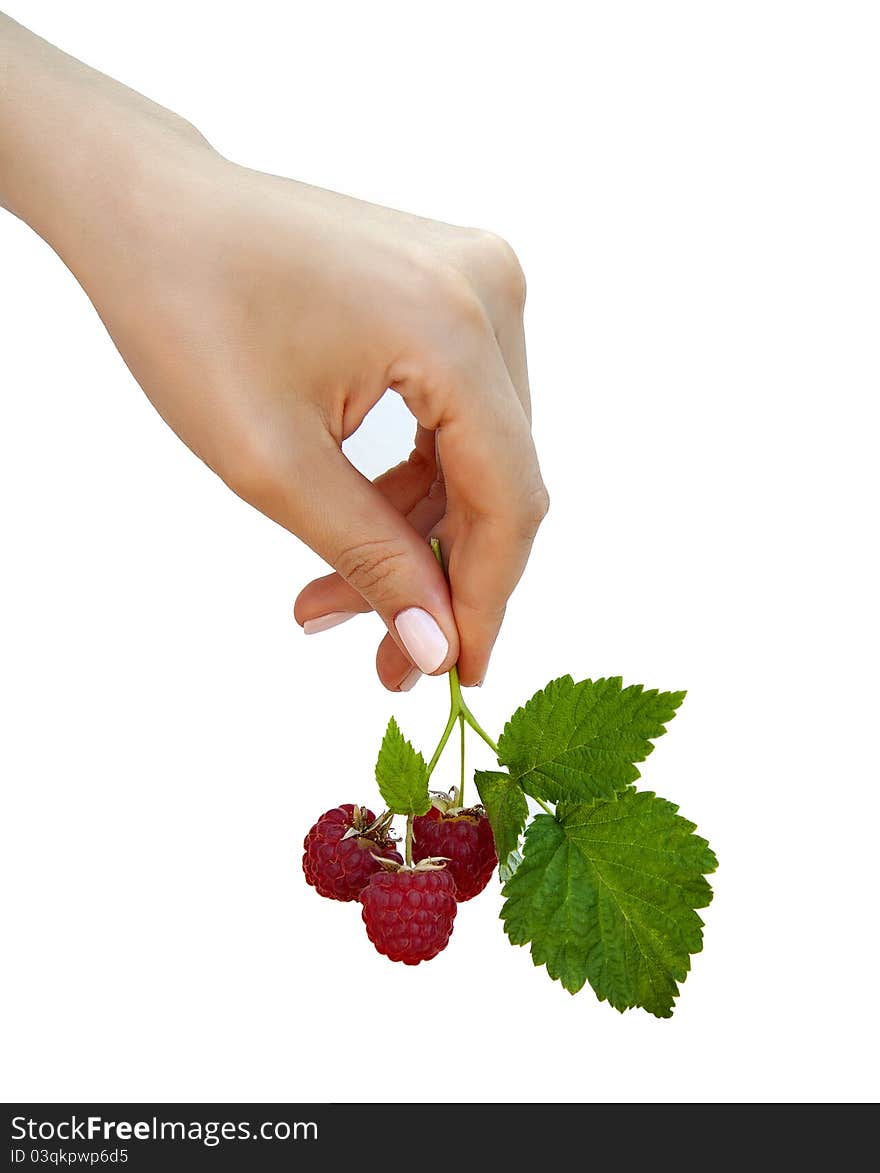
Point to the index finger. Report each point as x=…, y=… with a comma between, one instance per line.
x=496, y=498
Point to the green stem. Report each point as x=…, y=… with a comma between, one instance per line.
x=460, y=797
x=450, y=725
x=458, y=710
x=477, y=727
x=409, y=834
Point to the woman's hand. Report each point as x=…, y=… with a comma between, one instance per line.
x=264, y=318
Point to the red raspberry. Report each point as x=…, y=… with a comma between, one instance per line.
x=339, y=864
x=465, y=840
x=409, y=913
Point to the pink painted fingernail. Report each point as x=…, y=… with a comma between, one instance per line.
x=325, y=622
x=422, y=638
x=410, y=680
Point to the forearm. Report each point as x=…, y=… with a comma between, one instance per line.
x=75, y=145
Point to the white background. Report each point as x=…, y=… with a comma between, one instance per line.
x=693, y=190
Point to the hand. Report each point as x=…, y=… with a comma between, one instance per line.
x=264, y=318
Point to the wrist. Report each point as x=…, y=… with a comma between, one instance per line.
x=79, y=151
x=118, y=179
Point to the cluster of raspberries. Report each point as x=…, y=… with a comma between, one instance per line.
x=408, y=911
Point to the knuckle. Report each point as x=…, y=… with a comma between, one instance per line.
x=503, y=268
x=371, y=566
x=534, y=509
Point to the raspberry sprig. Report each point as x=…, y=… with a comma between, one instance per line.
x=601, y=881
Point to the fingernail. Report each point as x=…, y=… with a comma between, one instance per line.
x=422, y=638
x=325, y=622
x=410, y=680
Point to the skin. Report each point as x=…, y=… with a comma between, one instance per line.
x=264, y=318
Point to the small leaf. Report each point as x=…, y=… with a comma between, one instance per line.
x=576, y=742
x=606, y=894
x=402, y=774
x=506, y=807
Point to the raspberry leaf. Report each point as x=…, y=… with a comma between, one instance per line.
x=576, y=742
x=506, y=807
x=606, y=893
x=402, y=774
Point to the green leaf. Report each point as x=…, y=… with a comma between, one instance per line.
x=402, y=774
x=506, y=807
x=576, y=742
x=606, y=894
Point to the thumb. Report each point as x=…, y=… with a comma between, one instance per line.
x=351, y=525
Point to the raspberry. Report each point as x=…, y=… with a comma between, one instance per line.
x=464, y=839
x=409, y=913
x=339, y=850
